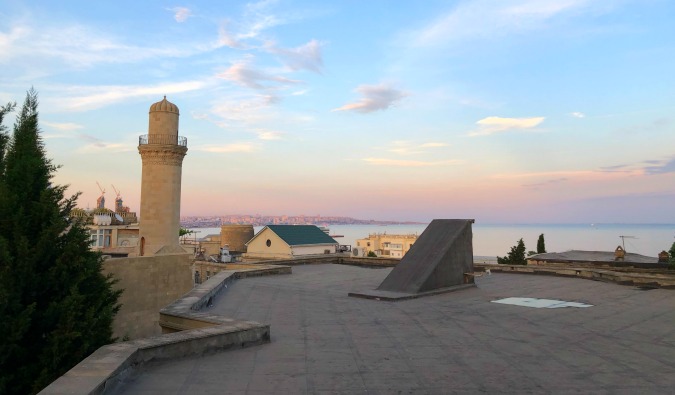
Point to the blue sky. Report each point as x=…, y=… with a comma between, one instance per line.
x=504, y=111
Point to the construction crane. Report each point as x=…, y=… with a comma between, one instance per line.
x=116, y=191
x=119, y=204
x=100, y=202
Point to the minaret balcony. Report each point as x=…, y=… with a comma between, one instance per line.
x=162, y=139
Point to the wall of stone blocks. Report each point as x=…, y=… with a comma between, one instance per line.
x=149, y=284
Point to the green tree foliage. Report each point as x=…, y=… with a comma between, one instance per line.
x=671, y=252
x=4, y=138
x=372, y=254
x=541, y=245
x=516, y=256
x=56, y=307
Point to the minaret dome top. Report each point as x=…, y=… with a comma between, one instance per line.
x=164, y=106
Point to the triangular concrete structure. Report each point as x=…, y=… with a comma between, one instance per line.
x=437, y=262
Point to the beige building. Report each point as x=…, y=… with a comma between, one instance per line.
x=162, y=151
x=235, y=237
x=382, y=244
x=289, y=241
x=112, y=233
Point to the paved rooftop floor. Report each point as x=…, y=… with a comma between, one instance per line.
x=326, y=342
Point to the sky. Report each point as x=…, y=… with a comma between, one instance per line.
x=505, y=111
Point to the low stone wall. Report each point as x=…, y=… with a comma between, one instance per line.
x=148, y=283
x=341, y=259
x=107, y=368
x=625, y=276
x=183, y=314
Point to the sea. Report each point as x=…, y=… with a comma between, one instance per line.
x=490, y=241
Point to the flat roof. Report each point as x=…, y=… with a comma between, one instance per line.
x=592, y=256
x=326, y=342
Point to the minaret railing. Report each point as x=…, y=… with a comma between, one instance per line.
x=165, y=139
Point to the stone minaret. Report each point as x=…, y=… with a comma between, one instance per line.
x=162, y=152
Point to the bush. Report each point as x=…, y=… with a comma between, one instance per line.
x=516, y=256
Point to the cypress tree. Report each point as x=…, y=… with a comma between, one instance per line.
x=541, y=245
x=56, y=306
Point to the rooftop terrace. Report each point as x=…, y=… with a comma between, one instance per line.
x=326, y=342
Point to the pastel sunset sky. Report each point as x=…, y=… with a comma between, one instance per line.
x=506, y=111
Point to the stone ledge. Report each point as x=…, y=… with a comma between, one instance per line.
x=638, y=278
x=107, y=368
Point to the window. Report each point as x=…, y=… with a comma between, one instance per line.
x=269, y=242
x=100, y=237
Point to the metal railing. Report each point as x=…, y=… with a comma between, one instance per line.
x=166, y=139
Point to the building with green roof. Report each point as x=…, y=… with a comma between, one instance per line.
x=289, y=241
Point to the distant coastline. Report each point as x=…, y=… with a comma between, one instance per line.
x=262, y=220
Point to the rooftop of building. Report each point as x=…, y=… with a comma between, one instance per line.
x=326, y=342
x=300, y=234
x=592, y=256
x=392, y=235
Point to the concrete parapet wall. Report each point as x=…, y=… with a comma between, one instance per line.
x=623, y=276
x=107, y=368
x=149, y=283
x=332, y=259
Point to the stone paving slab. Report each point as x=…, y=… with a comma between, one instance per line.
x=325, y=342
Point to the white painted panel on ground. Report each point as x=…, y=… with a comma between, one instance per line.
x=540, y=303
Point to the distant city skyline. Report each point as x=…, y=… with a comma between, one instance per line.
x=207, y=221
x=513, y=111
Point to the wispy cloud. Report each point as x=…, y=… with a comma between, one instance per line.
x=433, y=145
x=545, y=174
x=241, y=147
x=304, y=57
x=485, y=18
x=67, y=126
x=578, y=114
x=405, y=147
x=268, y=134
x=81, y=98
x=492, y=125
x=410, y=163
x=76, y=45
x=375, y=98
x=180, y=14
x=95, y=145
x=665, y=166
x=243, y=108
x=258, y=17
x=243, y=73
x=227, y=39
x=647, y=167
x=546, y=183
